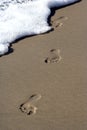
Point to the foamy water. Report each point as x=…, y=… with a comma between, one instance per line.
x=19, y=18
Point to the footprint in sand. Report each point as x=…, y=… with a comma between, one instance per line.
x=58, y=22
x=28, y=106
x=54, y=56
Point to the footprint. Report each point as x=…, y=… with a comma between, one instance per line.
x=54, y=56
x=28, y=106
x=58, y=22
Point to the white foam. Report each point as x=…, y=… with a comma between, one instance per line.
x=20, y=18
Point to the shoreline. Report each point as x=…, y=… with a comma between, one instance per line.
x=62, y=85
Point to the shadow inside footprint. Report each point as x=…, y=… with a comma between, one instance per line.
x=58, y=22
x=28, y=106
x=54, y=56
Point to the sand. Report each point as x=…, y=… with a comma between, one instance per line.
x=62, y=85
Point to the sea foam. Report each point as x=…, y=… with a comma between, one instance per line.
x=19, y=18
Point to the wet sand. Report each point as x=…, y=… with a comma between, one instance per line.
x=62, y=85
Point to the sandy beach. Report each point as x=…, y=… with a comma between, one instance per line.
x=62, y=85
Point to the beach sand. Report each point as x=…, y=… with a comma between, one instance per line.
x=62, y=85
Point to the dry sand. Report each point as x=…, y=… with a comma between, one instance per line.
x=62, y=85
